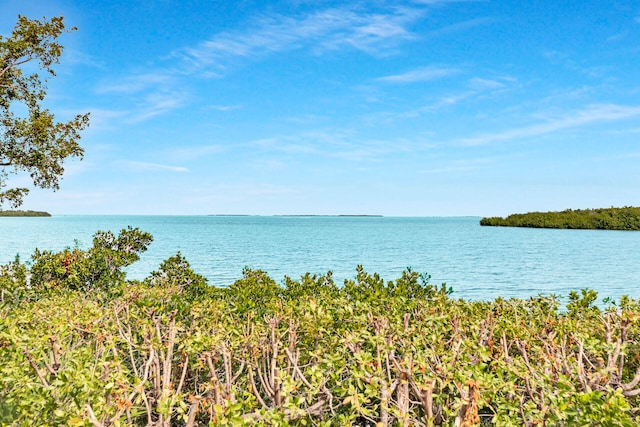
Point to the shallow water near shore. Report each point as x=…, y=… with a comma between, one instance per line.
x=479, y=263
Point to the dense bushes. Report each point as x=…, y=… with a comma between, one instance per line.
x=170, y=351
x=627, y=218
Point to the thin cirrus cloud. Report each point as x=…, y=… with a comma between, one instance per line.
x=477, y=88
x=239, y=192
x=339, y=144
x=331, y=29
x=112, y=119
x=589, y=115
x=485, y=84
x=147, y=107
x=420, y=75
x=148, y=95
x=137, y=83
x=325, y=30
x=224, y=107
x=437, y=2
x=466, y=165
x=463, y=26
x=152, y=167
x=187, y=154
x=156, y=104
x=376, y=33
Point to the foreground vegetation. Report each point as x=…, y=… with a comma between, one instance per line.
x=80, y=345
x=626, y=218
x=23, y=213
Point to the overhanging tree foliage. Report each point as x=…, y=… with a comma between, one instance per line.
x=31, y=141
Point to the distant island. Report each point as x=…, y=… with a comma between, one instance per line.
x=24, y=213
x=305, y=215
x=625, y=218
x=332, y=216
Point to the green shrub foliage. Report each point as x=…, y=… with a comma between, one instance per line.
x=23, y=213
x=99, y=268
x=80, y=345
x=626, y=218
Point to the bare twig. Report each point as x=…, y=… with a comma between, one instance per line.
x=33, y=364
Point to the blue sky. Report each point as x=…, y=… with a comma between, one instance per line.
x=409, y=108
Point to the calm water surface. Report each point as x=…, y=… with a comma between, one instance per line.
x=478, y=262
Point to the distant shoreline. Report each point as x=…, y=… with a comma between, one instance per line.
x=305, y=215
x=333, y=216
x=24, y=214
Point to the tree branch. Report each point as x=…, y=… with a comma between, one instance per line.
x=33, y=364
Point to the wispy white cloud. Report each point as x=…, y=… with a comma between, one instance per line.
x=288, y=144
x=445, y=101
x=618, y=36
x=341, y=144
x=146, y=166
x=572, y=94
x=377, y=32
x=591, y=114
x=463, y=26
x=185, y=154
x=307, y=119
x=440, y=2
x=631, y=131
x=570, y=62
x=69, y=201
x=224, y=107
x=268, y=164
x=240, y=192
x=324, y=30
x=102, y=119
x=485, y=84
x=465, y=165
x=261, y=189
x=142, y=97
x=76, y=57
x=420, y=75
x=155, y=104
x=134, y=112
x=84, y=197
x=433, y=106
x=369, y=152
x=136, y=83
x=477, y=88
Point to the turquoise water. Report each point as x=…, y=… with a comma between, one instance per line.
x=478, y=262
